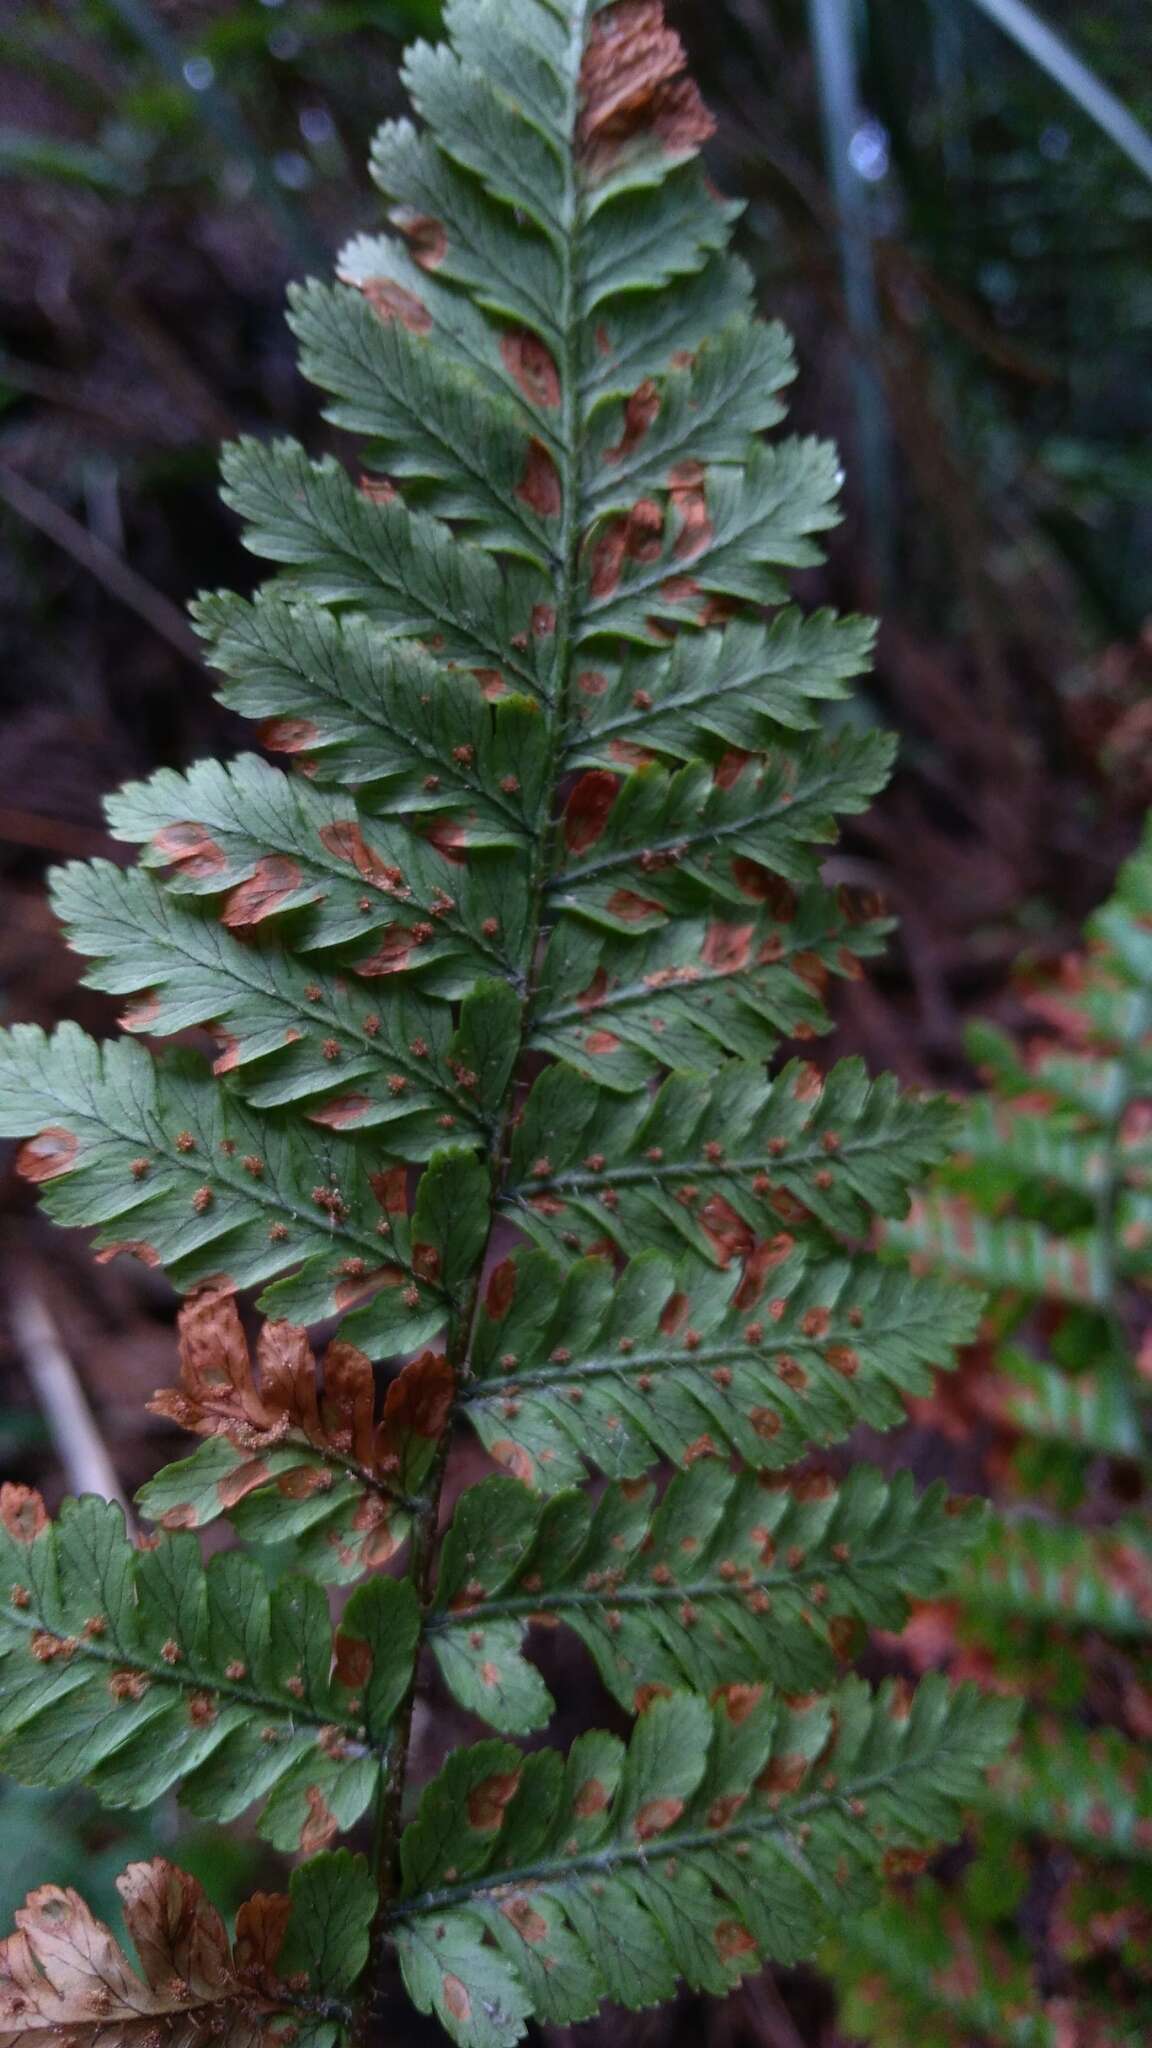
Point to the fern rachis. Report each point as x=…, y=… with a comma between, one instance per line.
x=493, y=978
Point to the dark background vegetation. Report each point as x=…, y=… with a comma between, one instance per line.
x=167, y=165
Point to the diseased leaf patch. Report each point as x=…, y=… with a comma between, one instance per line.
x=64, y=1977
x=293, y=1450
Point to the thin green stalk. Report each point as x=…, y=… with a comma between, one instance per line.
x=1074, y=76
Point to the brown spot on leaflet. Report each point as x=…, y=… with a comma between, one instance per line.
x=424, y=235
x=590, y=1800
x=655, y=1817
x=728, y=947
x=674, y=1314
x=730, y=767
x=353, y=1661
x=390, y=1188
x=528, y=360
x=128, y=1248
x=763, y=1260
x=270, y=884
x=631, y=908
x=686, y=490
x=639, y=412
x=22, y=1512
x=391, y=301
x=449, y=840
x=514, y=1459
x=539, y=487
x=342, y=1112
x=487, y=1801
x=345, y=841
x=288, y=735
x=630, y=755
x=320, y=1825
x=588, y=809
x=456, y=1998
x=526, y=1920
x=361, y=1286
x=51, y=1152
x=501, y=1290
x=601, y=1043
x=192, y=847
x=727, y=1233
x=740, y=1701
x=391, y=955
x=732, y=1940
x=141, y=1013
x=636, y=535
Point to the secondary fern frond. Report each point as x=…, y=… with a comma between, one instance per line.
x=500, y=950
x=1047, y=1202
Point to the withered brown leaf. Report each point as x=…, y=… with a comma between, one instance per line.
x=65, y=1981
x=285, y=1395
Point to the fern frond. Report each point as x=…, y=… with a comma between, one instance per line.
x=65, y=1978
x=134, y=1670
x=719, y=691
x=502, y=953
x=932, y=1977
x=380, y=716
x=950, y=1233
x=660, y=843
x=718, y=1838
x=1090, y=1412
x=583, y=1368
x=725, y=1582
x=622, y=1008
x=1046, y=1202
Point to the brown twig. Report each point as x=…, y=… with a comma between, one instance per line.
x=80, y=1447
x=118, y=578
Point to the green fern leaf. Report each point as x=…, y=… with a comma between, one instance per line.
x=501, y=953
x=1090, y=1789
x=723, y=1583
x=810, y=1150
x=717, y=692
x=1058, y=1573
x=583, y=1369
x=378, y=715
x=135, y=1670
